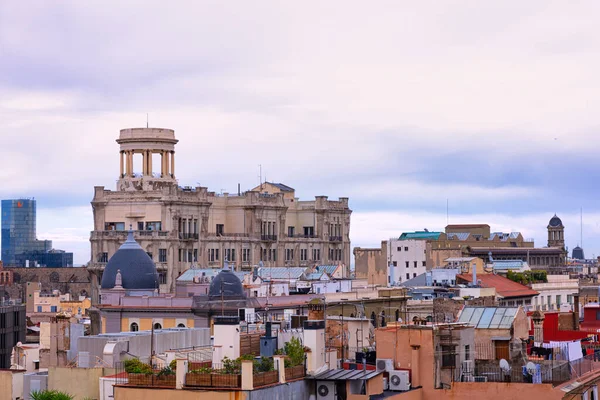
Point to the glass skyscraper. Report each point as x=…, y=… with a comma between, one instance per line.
x=19, y=241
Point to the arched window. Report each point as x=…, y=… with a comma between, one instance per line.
x=181, y=325
x=157, y=326
x=134, y=327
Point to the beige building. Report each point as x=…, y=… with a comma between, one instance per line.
x=181, y=226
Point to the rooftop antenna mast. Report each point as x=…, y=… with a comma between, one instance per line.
x=147, y=124
x=260, y=175
x=581, y=227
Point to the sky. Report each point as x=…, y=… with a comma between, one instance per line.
x=404, y=107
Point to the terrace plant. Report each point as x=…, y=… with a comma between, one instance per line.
x=135, y=366
x=50, y=395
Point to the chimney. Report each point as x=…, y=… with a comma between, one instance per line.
x=314, y=339
x=316, y=310
x=227, y=338
x=538, y=326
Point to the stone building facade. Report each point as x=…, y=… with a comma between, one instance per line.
x=183, y=226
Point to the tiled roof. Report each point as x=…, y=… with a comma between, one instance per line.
x=504, y=287
x=328, y=269
x=281, y=186
x=314, y=276
x=281, y=272
x=420, y=235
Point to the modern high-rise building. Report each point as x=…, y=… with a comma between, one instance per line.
x=19, y=242
x=183, y=226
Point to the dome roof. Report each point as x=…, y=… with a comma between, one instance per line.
x=231, y=285
x=136, y=267
x=555, y=221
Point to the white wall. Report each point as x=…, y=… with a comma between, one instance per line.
x=558, y=285
x=402, y=252
x=343, y=286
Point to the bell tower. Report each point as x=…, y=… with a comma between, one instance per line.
x=556, y=233
x=144, y=143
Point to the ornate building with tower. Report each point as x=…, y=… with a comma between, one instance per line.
x=556, y=233
x=182, y=226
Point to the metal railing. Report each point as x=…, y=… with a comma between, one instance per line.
x=268, y=237
x=335, y=238
x=145, y=374
x=187, y=236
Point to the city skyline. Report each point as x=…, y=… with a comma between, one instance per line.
x=493, y=114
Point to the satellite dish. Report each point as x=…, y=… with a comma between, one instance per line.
x=530, y=367
x=504, y=365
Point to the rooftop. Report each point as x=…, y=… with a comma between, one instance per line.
x=421, y=235
x=504, y=287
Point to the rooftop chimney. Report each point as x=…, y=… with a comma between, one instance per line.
x=227, y=338
x=314, y=339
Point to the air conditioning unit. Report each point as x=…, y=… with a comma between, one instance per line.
x=384, y=364
x=399, y=381
x=467, y=367
x=325, y=390
x=480, y=379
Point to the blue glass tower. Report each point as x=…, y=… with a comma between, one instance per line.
x=19, y=242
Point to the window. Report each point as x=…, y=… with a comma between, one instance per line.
x=290, y=231
x=549, y=301
x=140, y=225
x=415, y=263
x=407, y=276
x=134, y=327
x=395, y=263
x=406, y=248
x=399, y=248
x=181, y=325
x=448, y=357
x=157, y=326
x=213, y=255
x=467, y=352
x=303, y=254
x=264, y=255
x=316, y=254
x=103, y=257
x=245, y=255
x=558, y=298
x=162, y=255
x=220, y=229
x=180, y=255
x=53, y=309
x=149, y=254
x=195, y=255
x=39, y=308
x=162, y=278
x=289, y=254
x=309, y=231
x=407, y=264
x=414, y=275
x=424, y=263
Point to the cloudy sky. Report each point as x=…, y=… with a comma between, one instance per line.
x=401, y=106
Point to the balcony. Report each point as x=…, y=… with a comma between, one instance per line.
x=122, y=235
x=268, y=238
x=188, y=236
x=335, y=238
x=300, y=236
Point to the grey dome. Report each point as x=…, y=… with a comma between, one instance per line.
x=137, y=268
x=555, y=222
x=229, y=282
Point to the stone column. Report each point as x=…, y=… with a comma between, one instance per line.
x=172, y=164
x=121, y=161
x=182, y=369
x=247, y=375
x=150, y=162
x=144, y=163
x=279, y=362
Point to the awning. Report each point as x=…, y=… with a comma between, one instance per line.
x=343, y=375
x=500, y=337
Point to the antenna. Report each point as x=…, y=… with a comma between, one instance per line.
x=147, y=124
x=260, y=175
x=581, y=226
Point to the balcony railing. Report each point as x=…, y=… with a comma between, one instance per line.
x=122, y=235
x=188, y=236
x=300, y=236
x=269, y=238
x=335, y=238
